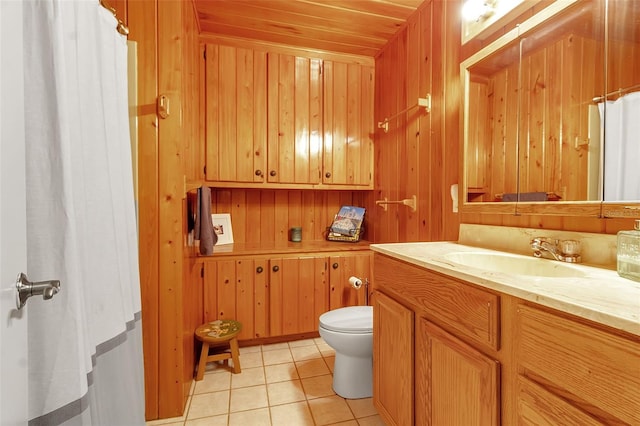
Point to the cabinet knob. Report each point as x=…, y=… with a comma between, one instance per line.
x=272, y=173
x=258, y=172
x=335, y=265
x=327, y=175
x=259, y=269
x=275, y=268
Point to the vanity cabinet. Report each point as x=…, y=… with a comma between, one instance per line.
x=479, y=356
x=455, y=377
x=392, y=360
x=455, y=384
x=278, y=120
x=281, y=294
x=568, y=366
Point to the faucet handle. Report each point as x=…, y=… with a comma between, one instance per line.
x=570, y=247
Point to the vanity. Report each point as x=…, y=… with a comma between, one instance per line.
x=462, y=342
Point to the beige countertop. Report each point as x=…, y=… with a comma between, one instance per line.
x=601, y=295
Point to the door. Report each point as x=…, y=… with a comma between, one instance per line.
x=13, y=233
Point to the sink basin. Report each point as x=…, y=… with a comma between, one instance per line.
x=515, y=264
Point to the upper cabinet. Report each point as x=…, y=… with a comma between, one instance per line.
x=278, y=120
x=539, y=127
x=236, y=114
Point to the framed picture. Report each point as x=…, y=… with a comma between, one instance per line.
x=222, y=228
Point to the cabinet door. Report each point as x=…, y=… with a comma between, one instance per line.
x=341, y=268
x=455, y=383
x=298, y=294
x=295, y=119
x=348, y=124
x=392, y=360
x=236, y=114
x=234, y=289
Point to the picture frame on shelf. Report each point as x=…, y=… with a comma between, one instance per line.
x=222, y=227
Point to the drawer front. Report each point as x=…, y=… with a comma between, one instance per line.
x=539, y=407
x=593, y=369
x=465, y=310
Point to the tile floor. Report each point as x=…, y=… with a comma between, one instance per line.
x=280, y=384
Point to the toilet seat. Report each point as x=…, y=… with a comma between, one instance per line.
x=352, y=319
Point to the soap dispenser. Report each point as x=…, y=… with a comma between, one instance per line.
x=629, y=253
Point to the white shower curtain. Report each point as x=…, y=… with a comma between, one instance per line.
x=621, y=148
x=85, y=347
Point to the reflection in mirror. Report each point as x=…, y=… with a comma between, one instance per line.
x=620, y=108
x=532, y=126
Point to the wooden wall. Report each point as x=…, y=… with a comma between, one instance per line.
x=265, y=216
x=419, y=155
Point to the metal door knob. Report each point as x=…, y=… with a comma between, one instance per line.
x=25, y=289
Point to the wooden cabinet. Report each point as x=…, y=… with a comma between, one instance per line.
x=279, y=120
x=341, y=268
x=281, y=295
x=392, y=360
x=570, y=365
x=236, y=114
x=482, y=357
x=455, y=384
x=348, y=124
x=238, y=289
x=294, y=119
x=298, y=294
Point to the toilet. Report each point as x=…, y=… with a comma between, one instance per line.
x=349, y=331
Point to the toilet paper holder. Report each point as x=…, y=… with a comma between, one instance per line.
x=357, y=283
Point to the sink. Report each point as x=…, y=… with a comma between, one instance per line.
x=515, y=264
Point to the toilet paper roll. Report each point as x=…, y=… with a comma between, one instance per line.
x=355, y=282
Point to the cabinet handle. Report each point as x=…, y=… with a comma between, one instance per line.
x=335, y=265
x=259, y=269
x=272, y=173
x=275, y=268
x=327, y=175
x=258, y=172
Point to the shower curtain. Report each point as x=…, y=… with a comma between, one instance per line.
x=85, y=345
x=621, y=148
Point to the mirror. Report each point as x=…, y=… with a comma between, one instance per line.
x=534, y=116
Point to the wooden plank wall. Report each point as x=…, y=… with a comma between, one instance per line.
x=419, y=154
x=265, y=216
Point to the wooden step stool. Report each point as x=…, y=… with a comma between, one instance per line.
x=216, y=333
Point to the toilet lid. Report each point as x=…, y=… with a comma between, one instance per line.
x=353, y=319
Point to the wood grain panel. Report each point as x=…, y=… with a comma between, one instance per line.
x=142, y=20
x=575, y=360
x=267, y=215
x=417, y=154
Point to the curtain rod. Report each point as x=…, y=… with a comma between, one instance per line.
x=422, y=102
x=121, y=27
x=616, y=92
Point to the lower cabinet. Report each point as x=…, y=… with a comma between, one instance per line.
x=455, y=384
x=281, y=295
x=448, y=352
x=392, y=360
x=571, y=372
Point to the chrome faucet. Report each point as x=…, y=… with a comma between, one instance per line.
x=551, y=248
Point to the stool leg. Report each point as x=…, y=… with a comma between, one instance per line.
x=204, y=354
x=235, y=355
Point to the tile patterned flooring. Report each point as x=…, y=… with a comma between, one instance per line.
x=280, y=384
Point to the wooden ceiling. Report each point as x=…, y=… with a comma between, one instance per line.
x=357, y=27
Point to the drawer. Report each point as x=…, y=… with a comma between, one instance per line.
x=463, y=309
x=539, y=407
x=593, y=369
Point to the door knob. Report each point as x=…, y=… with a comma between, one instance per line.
x=25, y=289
